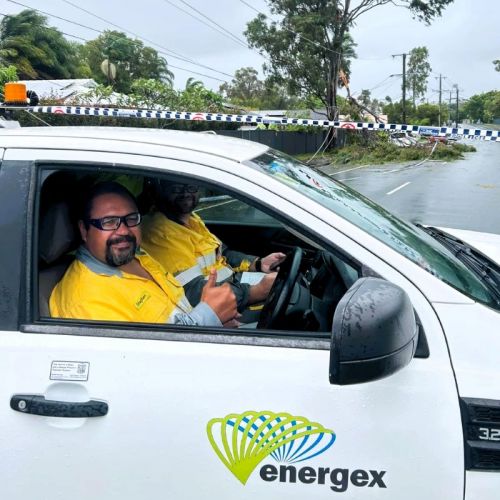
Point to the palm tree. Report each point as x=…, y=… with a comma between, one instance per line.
x=37, y=50
x=191, y=83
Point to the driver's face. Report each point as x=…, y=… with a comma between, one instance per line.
x=115, y=248
x=182, y=199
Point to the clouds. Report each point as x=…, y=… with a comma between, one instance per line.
x=462, y=44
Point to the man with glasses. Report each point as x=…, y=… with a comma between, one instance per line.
x=180, y=241
x=112, y=279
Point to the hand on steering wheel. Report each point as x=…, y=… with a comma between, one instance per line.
x=277, y=301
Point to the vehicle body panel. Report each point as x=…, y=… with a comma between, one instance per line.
x=473, y=332
x=487, y=243
x=164, y=389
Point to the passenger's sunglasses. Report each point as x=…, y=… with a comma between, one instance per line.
x=113, y=222
x=183, y=188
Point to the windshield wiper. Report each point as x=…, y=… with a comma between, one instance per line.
x=481, y=265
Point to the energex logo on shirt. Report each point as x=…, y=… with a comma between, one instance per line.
x=243, y=441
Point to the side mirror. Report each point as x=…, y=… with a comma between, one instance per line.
x=374, y=332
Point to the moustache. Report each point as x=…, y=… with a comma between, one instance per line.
x=121, y=239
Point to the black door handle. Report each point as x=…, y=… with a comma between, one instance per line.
x=38, y=405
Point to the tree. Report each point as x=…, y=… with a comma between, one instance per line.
x=248, y=91
x=425, y=114
x=199, y=98
x=418, y=72
x=483, y=107
x=245, y=88
x=151, y=94
x=191, y=83
x=496, y=62
x=131, y=58
x=308, y=46
x=35, y=49
x=364, y=97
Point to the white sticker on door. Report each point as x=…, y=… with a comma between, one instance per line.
x=70, y=370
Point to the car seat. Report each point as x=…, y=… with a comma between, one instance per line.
x=57, y=237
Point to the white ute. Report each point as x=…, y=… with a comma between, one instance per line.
x=374, y=374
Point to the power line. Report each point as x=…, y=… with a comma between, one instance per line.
x=171, y=53
x=385, y=89
x=182, y=58
x=376, y=86
x=86, y=40
x=53, y=15
x=235, y=37
x=239, y=40
x=203, y=22
x=294, y=32
x=55, y=29
x=312, y=41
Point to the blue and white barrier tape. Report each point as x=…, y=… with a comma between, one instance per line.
x=469, y=133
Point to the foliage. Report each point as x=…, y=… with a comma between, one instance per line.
x=483, y=107
x=247, y=91
x=132, y=59
x=152, y=94
x=496, y=62
x=191, y=82
x=245, y=88
x=99, y=95
x=310, y=43
x=379, y=150
x=82, y=68
x=198, y=98
x=424, y=114
x=418, y=72
x=37, y=51
x=7, y=74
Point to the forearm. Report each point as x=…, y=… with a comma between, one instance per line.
x=234, y=258
x=201, y=315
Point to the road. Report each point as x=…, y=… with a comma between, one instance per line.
x=463, y=194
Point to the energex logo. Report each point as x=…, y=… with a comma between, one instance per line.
x=243, y=441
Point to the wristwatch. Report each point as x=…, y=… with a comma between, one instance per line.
x=258, y=265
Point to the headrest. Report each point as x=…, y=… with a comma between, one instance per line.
x=57, y=232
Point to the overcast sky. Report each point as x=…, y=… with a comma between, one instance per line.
x=462, y=44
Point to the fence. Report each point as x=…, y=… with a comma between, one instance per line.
x=292, y=143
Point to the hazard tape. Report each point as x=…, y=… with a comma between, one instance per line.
x=468, y=133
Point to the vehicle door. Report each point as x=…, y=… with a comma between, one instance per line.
x=181, y=412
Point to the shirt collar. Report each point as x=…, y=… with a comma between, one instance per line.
x=95, y=265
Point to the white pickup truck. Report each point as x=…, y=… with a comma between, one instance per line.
x=374, y=372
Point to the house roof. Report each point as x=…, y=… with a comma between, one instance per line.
x=59, y=89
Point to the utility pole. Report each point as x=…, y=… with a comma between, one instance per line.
x=440, y=92
x=456, y=112
x=449, y=108
x=404, y=84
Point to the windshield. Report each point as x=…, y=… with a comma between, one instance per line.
x=401, y=236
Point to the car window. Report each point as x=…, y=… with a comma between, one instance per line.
x=405, y=238
x=243, y=233
x=222, y=208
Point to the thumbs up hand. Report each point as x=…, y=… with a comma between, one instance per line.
x=220, y=298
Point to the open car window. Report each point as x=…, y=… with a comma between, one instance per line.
x=321, y=278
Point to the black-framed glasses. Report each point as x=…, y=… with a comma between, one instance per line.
x=183, y=188
x=113, y=222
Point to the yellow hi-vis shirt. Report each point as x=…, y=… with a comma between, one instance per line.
x=93, y=290
x=185, y=251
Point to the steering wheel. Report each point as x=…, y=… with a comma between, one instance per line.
x=279, y=296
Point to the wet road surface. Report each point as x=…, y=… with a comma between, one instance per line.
x=463, y=194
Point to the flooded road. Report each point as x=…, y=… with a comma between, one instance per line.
x=463, y=194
